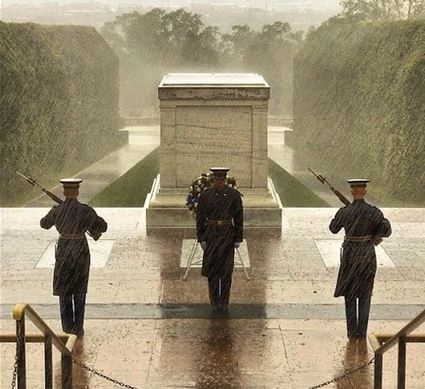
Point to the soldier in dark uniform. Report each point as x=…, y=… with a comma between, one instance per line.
x=364, y=226
x=219, y=222
x=72, y=219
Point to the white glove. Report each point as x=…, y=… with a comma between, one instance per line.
x=237, y=244
x=204, y=245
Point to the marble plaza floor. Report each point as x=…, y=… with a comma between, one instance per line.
x=149, y=328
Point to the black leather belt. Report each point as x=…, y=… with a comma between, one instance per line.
x=358, y=238
x=72, y=236
x=219, y=222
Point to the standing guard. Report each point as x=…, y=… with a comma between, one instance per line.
x=364, y=226
x=219, y=225
x=72, y=219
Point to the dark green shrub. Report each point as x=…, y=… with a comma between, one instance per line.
x=59, y=103
x=359, y=105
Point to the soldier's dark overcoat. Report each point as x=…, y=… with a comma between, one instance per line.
x=72, y=266
x=219, y=204
x=358, y=263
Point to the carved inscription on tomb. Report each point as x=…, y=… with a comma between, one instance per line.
x=213, y=135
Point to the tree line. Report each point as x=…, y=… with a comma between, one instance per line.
x=377, y=10
x=152, y=44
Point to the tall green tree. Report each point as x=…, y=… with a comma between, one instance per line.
x=154, y=43
x=270, y=52
x=236, y=43
x=374, y=10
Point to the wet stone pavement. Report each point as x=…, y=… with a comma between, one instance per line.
x=148, y=328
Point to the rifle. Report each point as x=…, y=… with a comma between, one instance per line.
x=377, y=239
x=55, y=198
x=338, y=194
x=33, y=182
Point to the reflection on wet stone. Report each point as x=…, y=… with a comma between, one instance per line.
x=217, y=364
x=284, y=328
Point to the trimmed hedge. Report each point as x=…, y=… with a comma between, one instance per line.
x=359, y=105
x=59, y=103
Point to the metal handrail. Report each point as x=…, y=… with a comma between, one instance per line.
x=19, y=312
x=401, y=338
x=32, y=338
x=406, y=330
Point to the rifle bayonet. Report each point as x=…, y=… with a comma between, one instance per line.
x=323, y=180
x=33, y=182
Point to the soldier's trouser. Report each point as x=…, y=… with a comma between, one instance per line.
x=72, y=309
x=357, y=313
x=219, y=289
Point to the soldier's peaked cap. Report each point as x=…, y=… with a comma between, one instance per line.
x=219, y=170
x=71, y=182
x=358, y=181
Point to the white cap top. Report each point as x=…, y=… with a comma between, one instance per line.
x=71, y=181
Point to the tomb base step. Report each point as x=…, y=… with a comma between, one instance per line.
x=182, y=218
x=165, y=208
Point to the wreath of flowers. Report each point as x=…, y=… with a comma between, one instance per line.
x=204, y=181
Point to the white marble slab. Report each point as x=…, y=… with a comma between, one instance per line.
x=99, y=254
x=211, y=79
x=143, y=135
x=329, y=250
x=213, y=119
x=187, y=246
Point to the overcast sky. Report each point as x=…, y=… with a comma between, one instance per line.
x=259, y=3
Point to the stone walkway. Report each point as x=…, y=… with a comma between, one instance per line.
x=142, y=140
x=149, y=328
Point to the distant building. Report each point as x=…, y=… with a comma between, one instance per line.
x=301, y=14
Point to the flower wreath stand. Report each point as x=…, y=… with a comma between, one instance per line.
x=205, y=181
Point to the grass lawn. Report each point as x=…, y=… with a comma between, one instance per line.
x=130, y=190
x=292, y=192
